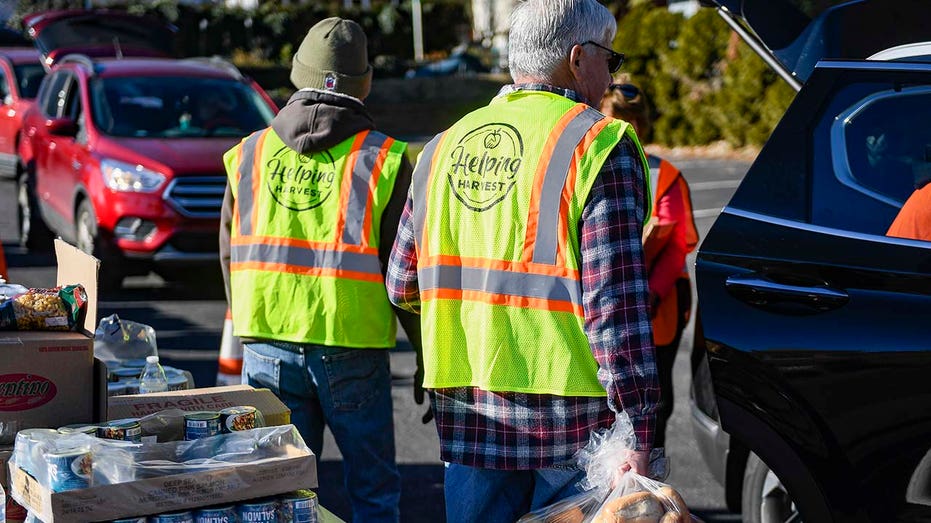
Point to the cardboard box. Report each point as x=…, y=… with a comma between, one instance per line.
x=210, y=398
x=296, y=470
x=50, y=379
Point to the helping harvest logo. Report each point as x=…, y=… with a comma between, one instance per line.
x=303, y=184
x=25, y=391
x=485, y=164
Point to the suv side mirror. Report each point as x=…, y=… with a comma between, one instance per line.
x=61, y=127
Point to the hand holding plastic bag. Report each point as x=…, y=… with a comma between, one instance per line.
x=613, y=494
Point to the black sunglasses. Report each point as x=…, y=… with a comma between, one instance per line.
x=615, y=59
x=628, y=91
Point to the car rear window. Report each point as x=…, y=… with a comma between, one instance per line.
x=28, y=78
x=176, y=107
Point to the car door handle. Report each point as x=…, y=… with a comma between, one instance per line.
x=766, y=293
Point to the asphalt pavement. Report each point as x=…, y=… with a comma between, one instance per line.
x=188, y=323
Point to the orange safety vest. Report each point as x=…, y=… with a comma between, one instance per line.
x=664, y=176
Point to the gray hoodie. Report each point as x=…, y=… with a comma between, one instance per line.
x=316, y=120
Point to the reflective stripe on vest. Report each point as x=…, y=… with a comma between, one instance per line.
x=307, y=260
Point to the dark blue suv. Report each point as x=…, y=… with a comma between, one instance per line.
x=811, y=395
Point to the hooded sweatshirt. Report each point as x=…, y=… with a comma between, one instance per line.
x=315, y=120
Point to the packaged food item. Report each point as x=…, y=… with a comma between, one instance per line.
x=608, y=497
x=127, y=429
x=224, y=514
x=55, y=309
x=198, y=425
x=177, y=382
x=238, y=418
x=185, y=516
x=298, y=507
x=69, y=469
x=260, y=511
x=79, y=428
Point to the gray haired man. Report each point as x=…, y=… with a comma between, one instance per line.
x=519, y=246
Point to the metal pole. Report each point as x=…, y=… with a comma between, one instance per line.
x=416, y=15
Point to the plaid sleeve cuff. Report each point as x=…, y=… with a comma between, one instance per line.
x=644, y=426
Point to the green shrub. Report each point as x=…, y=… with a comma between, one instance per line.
x=698, y=91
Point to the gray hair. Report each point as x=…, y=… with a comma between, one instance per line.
x=543, y=31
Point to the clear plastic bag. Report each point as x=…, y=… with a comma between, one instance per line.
x=62, y=462
x=611, y=497
x=116, y=341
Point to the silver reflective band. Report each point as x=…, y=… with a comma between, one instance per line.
x=419, y=187
x=362, y=173
x=245, y=198
x=306, y=257
x=496, y=281
x=554, y=179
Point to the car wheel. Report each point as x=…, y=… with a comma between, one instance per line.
x=33, y=233
x=110, y=276
x=765, y=498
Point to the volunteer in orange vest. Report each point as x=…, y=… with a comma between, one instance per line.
x=520, y=248
x=309, y=216
x=670, y=236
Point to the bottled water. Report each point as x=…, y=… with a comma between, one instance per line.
x=153, y=377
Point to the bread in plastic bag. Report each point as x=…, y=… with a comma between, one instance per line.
x=611, y=497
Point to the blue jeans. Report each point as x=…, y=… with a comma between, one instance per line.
x=350, y=391
x=492, y=496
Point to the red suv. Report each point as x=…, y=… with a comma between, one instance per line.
x=20, y=76
x=123, y=156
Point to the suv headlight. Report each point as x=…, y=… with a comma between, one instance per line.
x=126, y=177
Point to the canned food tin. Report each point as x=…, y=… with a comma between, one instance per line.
x=127, y=429
x=199, y=425
x=125, y=373
x=79, y=428
x=298, y=507
x=116, y=388
x=173, y=517
x=258, y=512
x=27, y=448
x=132, y=386
x=234, y=419
x=129, y=520
x=224, y=514
x=69, y=470
x=177, y=382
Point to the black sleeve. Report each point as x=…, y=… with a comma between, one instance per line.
x=226, y=220
x=390, y=220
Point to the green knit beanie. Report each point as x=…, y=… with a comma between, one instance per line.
x=333, y=57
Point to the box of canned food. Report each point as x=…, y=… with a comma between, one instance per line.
x=273, y=411
x=50, y=377
x=75, y=476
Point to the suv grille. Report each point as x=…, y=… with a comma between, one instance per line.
x=197, y=196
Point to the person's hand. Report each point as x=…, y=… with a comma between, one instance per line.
x=637, y=461
x=418, y=389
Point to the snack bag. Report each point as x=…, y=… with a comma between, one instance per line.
x=610, y=497
x=54, y=309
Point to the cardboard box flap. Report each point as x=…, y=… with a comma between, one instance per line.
x=209, y=398
x=75, y=266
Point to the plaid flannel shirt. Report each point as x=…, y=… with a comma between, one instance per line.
x=510, y=430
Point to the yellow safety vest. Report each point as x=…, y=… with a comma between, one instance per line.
x=497, y=203
x=304, y=241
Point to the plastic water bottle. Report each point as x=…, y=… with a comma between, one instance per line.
x=153, y=377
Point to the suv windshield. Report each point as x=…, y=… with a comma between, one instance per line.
x=29, y=76
x=176, y=107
